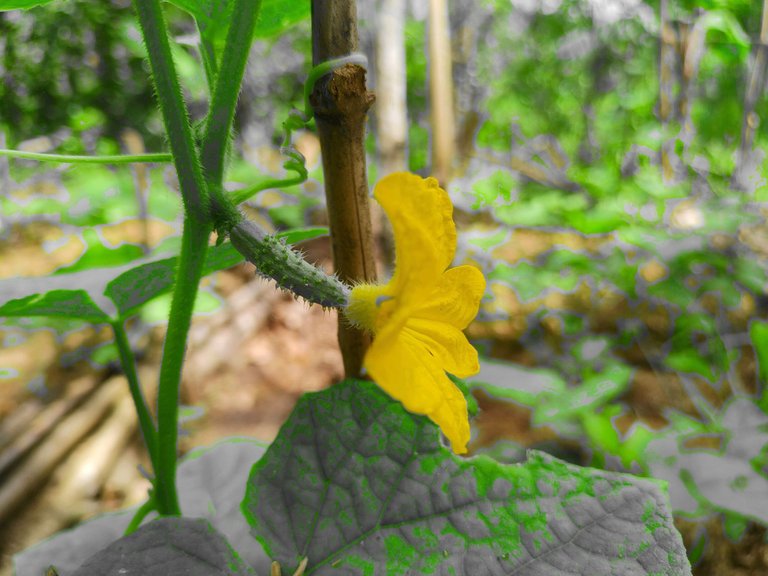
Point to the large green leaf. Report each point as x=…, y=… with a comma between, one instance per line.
x=100, y=294
x=168, y=546
x=360, y=486
x=211, y=483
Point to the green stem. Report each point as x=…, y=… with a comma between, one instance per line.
x=208, y=56
x=141, y=513
x=71, y=159
x=240, y=196
x=223, y=103
x=128, y=362
x=174, y=109
x=194, y=245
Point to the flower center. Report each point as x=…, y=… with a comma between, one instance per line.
x=364, y=306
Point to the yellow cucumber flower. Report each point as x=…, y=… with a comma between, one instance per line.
x=417, y=318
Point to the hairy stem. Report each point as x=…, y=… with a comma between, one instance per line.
x=128, y=362
x=194, y=245
x=173, y=108
x=73, y=159
x=141, y=513
x=222, y=109
x=208, y=56
x=227, y=88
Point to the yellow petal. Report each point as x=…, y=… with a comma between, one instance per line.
x=448, y=344
x=406, y=371
x=403, y=367
x=451, y=416
x=456, y=299
x=421, y=214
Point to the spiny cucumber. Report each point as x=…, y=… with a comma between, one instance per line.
x=274, y=259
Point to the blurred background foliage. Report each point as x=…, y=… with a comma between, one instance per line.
x=609, y=177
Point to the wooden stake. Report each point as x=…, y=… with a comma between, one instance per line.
x=441, y=91
x=341, y=102
x=391, y=120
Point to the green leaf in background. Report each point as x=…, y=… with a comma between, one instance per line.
x=493, y=190
x=66, y=303
x=758, y=334
x=278, y=15
x=101, y=294
x=600, y=430
x=360, y=486
x=750, y=274
x=594, y=391
x=517, y=383
x=599, y=220
x=704, y=480
x=671, y=290
x=97, y=255
x=725, y=23
x=691, y=362
x=21, y=4
x=301, y=234
x=632, y=448
x=130, y=290
x=734, y=526
x=213, y=17
x=167, y=546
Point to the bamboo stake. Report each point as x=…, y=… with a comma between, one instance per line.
x=391, y=112
x=750, y=120
x=341, y=102
x=441, y=91
x=666, y=96
x=391, y=121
